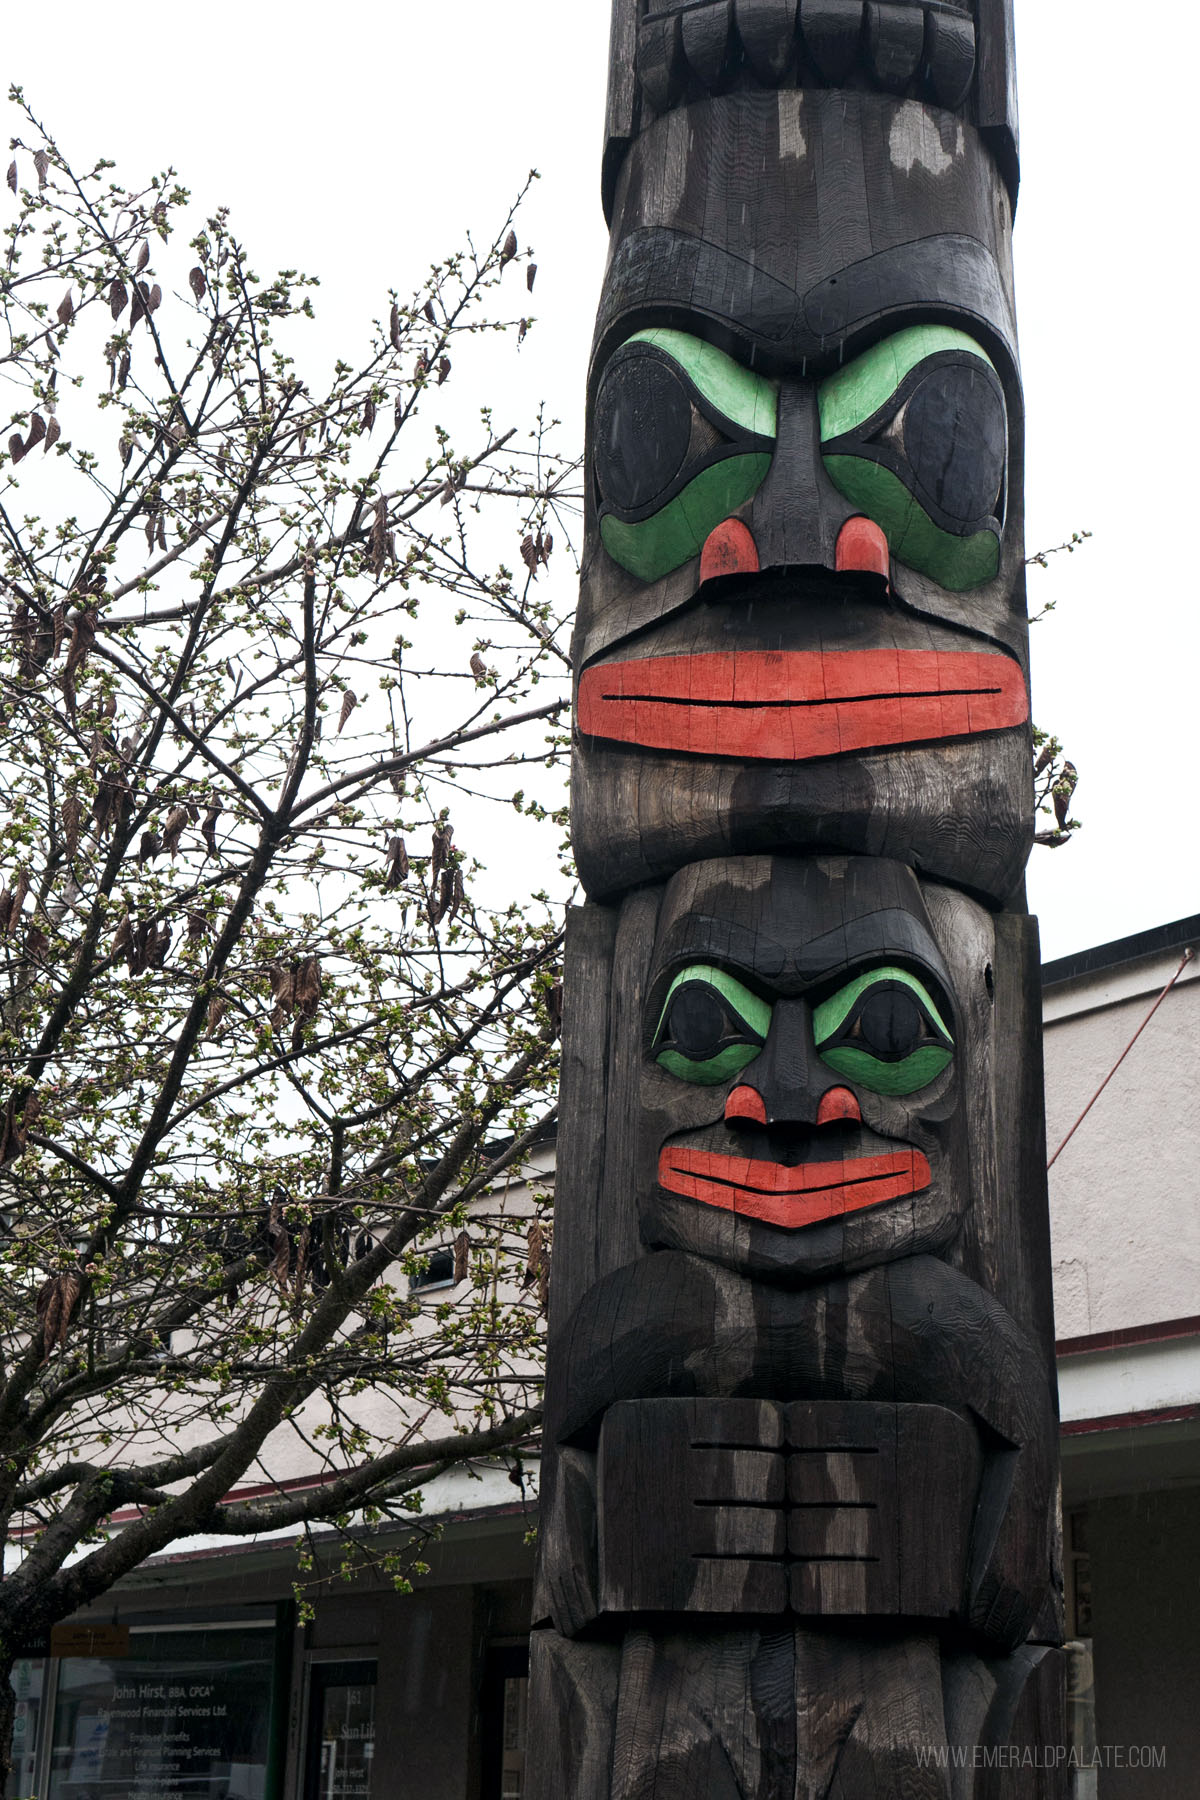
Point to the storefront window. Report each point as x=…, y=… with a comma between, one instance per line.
x=186, y=1716
x=28, y=1681
x=341, y=1731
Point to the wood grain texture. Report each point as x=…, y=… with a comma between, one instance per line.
x=800, y=1369
x=572, y=1717
x=583, y=1111
x=926, y=52
x=913, y=1333
x=895, y=42
x=623, y=103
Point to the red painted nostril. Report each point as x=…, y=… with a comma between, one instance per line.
x=728, y=550
x=862, y=545
x=839, y=1103
x=745, y=1106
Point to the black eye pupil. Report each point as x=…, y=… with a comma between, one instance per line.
x=696, y=1022
x=890, y=1022
x=954, y=439
x=643, y=425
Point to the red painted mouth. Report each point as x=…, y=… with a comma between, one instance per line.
x=793, y=705
x=791, y=1197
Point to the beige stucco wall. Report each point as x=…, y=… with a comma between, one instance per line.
x=1125, y=1192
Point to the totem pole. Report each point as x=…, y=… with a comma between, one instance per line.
x=798, y=1530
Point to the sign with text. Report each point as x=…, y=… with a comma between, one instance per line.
x=185, y=1715
x=89, y=1640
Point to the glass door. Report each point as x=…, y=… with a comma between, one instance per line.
x=341, y=1731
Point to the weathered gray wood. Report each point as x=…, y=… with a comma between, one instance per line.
x=715, y=1538
x=800, y=1365
x=572, y=1713
x=895, y=43
x=583, y=1110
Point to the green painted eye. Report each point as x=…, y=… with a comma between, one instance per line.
x=883, y=1031
x=682, y=436
x=914, y=432
x=710, y=1027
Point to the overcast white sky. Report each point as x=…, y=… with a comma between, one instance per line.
x=359, y=142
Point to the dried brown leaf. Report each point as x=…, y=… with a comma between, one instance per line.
x=118, y=297
x=308, y=987
x=12, y=174
x=56, y=1304
x=508, y=249
x=143, y=257
x=530, y=276
x=462, y=1255
x=83, y=636
x=442, y=838
x=208, y=829
x=394, y=327
x=53, y=433
x=216, y=1012
x=154, y=299
x=41, y=163
x=377, y=548
x=20, y=894
x=157, y=945
x=397, y=865
x=72, y=819
x=16, y=446
x=66, y=308
x=177, y=818
x=349, y=702
x=281, y=1244
x=197, y=283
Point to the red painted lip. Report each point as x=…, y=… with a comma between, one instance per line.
x=791, y=1197
x=793, y=705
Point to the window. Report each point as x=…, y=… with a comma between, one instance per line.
x=437, y=1273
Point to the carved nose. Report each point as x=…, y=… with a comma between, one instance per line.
x=788, y=1085
x=797, y=514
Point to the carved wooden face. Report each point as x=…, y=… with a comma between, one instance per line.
x=800, y=1082
x=804, y=532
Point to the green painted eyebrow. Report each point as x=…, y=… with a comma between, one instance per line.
x=738, y=394
x=750, y=1009
x=832, y=1012
x=852, y=394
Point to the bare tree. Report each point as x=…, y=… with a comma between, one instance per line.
x=264, y=1037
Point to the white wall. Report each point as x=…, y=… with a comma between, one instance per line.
x=1125, y=1194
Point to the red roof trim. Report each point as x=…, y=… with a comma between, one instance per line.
x=1161, y=1415
x=1159, y=1333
